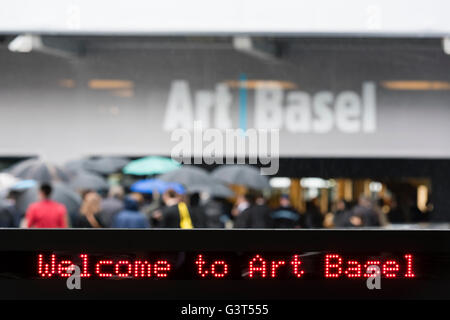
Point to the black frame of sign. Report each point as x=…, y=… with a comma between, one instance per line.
x=430, y=245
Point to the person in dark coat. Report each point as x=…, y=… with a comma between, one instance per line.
x=342, y=215
x=366, y=213
x=7, y=215
x=285, y=216
x=173, y=217
x=89, y=212
x=256, y=216
x=130, y=216
x=111, y=205
x=197, y=211
x=215, y=215
x=313, y=217
x=396, y=214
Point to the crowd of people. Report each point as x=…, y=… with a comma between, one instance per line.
x=174, y=210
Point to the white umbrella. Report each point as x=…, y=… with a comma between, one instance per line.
x=6, y=182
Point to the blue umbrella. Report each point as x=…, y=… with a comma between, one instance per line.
x=178, y=188
x=148, y=186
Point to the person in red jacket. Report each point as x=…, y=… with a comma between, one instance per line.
x=46, y=213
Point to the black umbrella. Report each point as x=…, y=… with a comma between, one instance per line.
x=215, y=189
x=74, y=166
x=39, y=170
x=243, y=175
x=105, y=165
x=88, y=181
x=61, y=193
x=188, y=176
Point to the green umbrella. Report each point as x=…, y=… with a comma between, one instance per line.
x=150, y=165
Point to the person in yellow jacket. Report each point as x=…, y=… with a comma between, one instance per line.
x=176, y=213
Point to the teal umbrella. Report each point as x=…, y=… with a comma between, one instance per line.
x=150, y=165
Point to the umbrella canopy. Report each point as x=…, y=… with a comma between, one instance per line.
x=243, y=175
x=187, y=176
x=105, y=165
x=148, y=186
x=150, y=165
x=39, y=170
x=214, y=189
x=6, y=182
x=23, y=185
x=177, y=187
x=88, y=181
x=61, y=193
x=74, y=166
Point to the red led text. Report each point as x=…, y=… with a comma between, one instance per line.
x=335, y=266
x=50, y=266
x=216, y=269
